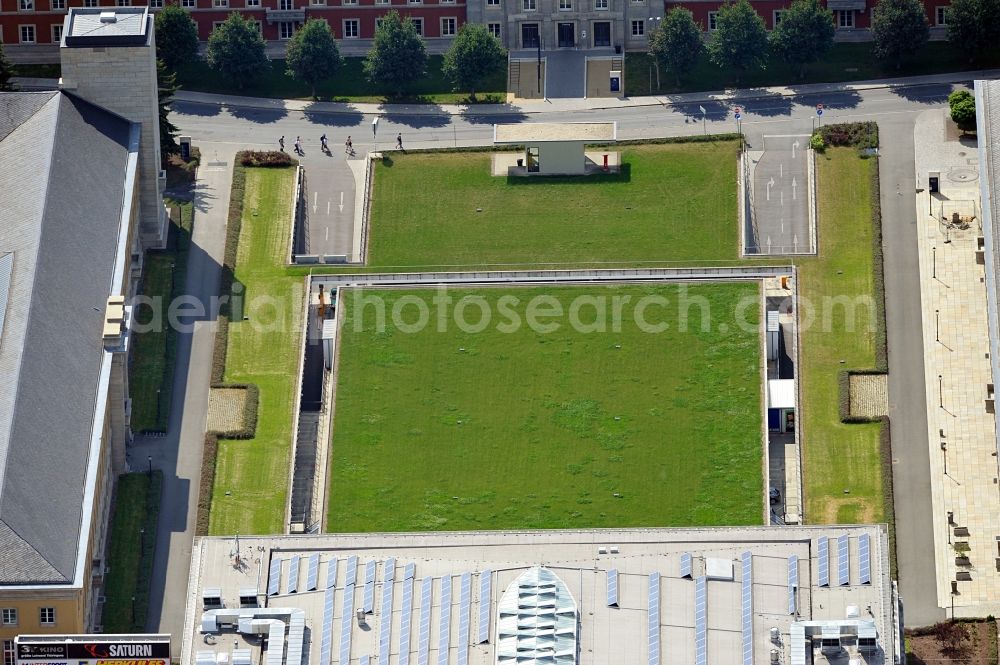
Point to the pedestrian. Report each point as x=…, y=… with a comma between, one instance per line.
x=399, y=141
x=298, y=145
x=322, y=144
x=281, y=143
x=348, y=146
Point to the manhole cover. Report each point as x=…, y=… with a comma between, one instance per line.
x=963, y=175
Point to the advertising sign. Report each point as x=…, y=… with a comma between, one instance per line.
x=93, y=650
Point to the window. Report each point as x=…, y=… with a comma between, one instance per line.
x=712, y=18
x=57, y=33
x=565, y=5
x=216, y=25
x=602, y=33
x=492, y=3
x=494, y=29
x=845, y=18
x=638, y=28
x=414, y=2
x=124, y=3
x=601, y=5
x=528, y=5
x=448, y=27
x=10, y=616
x=286, y=29
x=447, y=2
x=345, y=2
x=253, y=3
x=184, y=3
x=220, y=4
x=418, y=23
x=8, y=652
x=941, y=14
x=318, y=2
x=27, y=34
x=285, y=5
x=57, y=4
x=351, y=28
x=47, y=616
x=155, y=4
x=529, y=35
x=778, y=14
x=26, y=5
x=378, y=23
x=256, y=26
x=382, y=2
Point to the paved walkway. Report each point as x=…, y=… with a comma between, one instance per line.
x=179, y=453
x=961, y=428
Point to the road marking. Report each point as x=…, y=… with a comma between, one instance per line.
x=781, y=169
x=794, y=146
x=341, y=202
x=793, y=188
x=770, y=184
x=782, y=195
x=315, y=200
x=327, y=235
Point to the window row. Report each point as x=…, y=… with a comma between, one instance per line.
x=46, y=615
x=564, y=5
x=351, y=27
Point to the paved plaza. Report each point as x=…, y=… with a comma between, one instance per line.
x=961, y=422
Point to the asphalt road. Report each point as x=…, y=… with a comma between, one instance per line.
x=781, y=195
x=221, y=129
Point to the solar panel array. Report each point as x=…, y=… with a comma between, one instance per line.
x=293, y=575
x=326, y=642
x=331, y=573
x=385, y=611
x=686, y=564
x=352, y=571
x=425, y=620
x=701, y=620
x=346, y=623
x=274, y=577
x=405, y=618
x=409, y=571
x=613, y=587
x=444, y=627
x=464, y=617
x=363, y=660
x=747, y=598
x=312, y=577
x=485, y=582
x=824, y=561
x=843, y=560
x=865, y=559
x=369, y=600
x=793, y=581
x=653, y=619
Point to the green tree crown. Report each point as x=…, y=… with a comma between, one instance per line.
x=312, y=54
x=899, y=30
x=474, y=57
x=676, y=43
x=237, y=50
x=974, y=25
x=397, y=57
x=804, y=33
x=740, y=38
x=176, y=36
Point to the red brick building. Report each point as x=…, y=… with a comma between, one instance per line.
x=30, y=29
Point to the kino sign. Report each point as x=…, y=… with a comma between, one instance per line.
x=94, y=650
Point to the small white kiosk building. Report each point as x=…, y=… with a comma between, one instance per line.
x=556, y=148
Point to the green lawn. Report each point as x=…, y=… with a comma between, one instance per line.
x=839, y=456
x=444, y=429
x=151, y=372
x=349, y=85
x=251, y=477
x=672, y=202
x=130, y=562
x=844, y=62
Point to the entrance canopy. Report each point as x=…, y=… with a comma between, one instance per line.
x=551, y=132
x=781, y=394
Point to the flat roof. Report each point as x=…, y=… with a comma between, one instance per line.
x=107, y=26
x=781, y=393
x=545, y=132
x=448, y=587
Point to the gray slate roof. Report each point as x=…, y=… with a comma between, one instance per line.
x=61, y=194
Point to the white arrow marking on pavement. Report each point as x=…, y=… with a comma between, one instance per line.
x=794, y=146
x=795, y=241
x=782, y=196
x=781, y=170
x=341, y=202
x=328, y=208
x=327, y=236
x=770, y=184
x=315, y=200
x=793, y=188
x=769, y=244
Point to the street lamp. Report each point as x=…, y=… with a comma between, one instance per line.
x=655, y=21
x=375, y=135
x=149, y=461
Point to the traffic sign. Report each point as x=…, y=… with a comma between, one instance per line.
x=737, y=112
x=819, y=109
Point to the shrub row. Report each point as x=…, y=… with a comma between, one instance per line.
x=265, y=158
x=861, y=135
x=145, y=577
x=248, y=428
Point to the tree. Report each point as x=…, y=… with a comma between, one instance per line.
x=899, y=29
x=474, y=57
x=237, y=50
x=740, y=38
x=397, y=57
x=963, y=109
x=166, y=85
x=974, y=25
x=312, y=54
x=676, y=43
x=176, y=36
x=6, y=71
x=804, y=33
